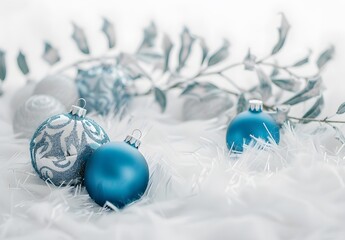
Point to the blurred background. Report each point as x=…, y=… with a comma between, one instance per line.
x=315, y=25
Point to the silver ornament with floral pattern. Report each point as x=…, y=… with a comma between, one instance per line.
x=60, y=146
x=104, y=87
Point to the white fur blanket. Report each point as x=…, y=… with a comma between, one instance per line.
x=198, y=191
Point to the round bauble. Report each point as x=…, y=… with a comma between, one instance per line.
x=250, y=125
x=59, y=86
x=22, y=95
x=59, y=147
x=104, y=87
x=35, y=110
x=117, y=172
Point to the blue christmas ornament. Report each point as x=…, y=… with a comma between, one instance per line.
x=59, y=147
x=251, y=124
x=117, y=172
x=104, y=87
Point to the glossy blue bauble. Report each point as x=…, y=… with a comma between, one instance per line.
x=249, y=125
x=118, y=173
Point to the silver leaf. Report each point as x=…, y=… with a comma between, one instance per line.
x=204, y=50
x=167, y=46
x=312, y=89
x=80, y=39
x=341, y=109
x=283, y=31
x=150, y=34
x=242, y=103
x=249, y=61
x=50, y=55
x=22, y=64
x=2, y=66
x=187, y=41
x=325, y=57
x=220, y=55
x=160, y=97
x=109, y=31
x=132, y=66
x=265, y=87
x=287, y=84
x=315, y=110
x=302, y=61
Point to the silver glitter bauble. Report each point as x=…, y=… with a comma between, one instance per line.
x=35, y=110
x=61, y=145
x=59, y=86
x=104, y=87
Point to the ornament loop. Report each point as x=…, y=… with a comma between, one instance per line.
x=138, y=131
x=81, y=100
x=133, y=141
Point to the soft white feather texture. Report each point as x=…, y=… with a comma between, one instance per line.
x=198, y=190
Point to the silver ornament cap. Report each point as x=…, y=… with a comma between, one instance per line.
x=79, y=111
x=134, y=141
x=255, y=105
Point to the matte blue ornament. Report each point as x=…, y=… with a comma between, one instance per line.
x=59, y=147
x=251, y=124
x=117, y=172
x=104, y=87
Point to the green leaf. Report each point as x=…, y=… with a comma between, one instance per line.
x=21, y=61
x=150, y=34
x=287, y=84
x=187, y=41
x=50, y=55
x=167, y=46
x=312, y=89
x=2, y=66
x=109, y=31
x=341, y=108
x=199, y=89
x=160, y=98
x=325, y=56
x=249, y=61
x=283, y=31
x=80, y=39
x=220, y=55
x=315, y=110
x=204, y=49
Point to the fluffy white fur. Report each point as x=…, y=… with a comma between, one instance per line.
x=198, y=190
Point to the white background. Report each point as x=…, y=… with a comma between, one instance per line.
x=315, y=24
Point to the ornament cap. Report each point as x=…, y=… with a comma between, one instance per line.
x=255, y=105
x=79, y=111
x=133, y=141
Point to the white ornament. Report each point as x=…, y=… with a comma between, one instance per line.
x=33, y=112
x=60, y=87
x=21, y=95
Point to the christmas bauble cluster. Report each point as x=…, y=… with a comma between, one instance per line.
x=68, y=148
x=105, y=87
